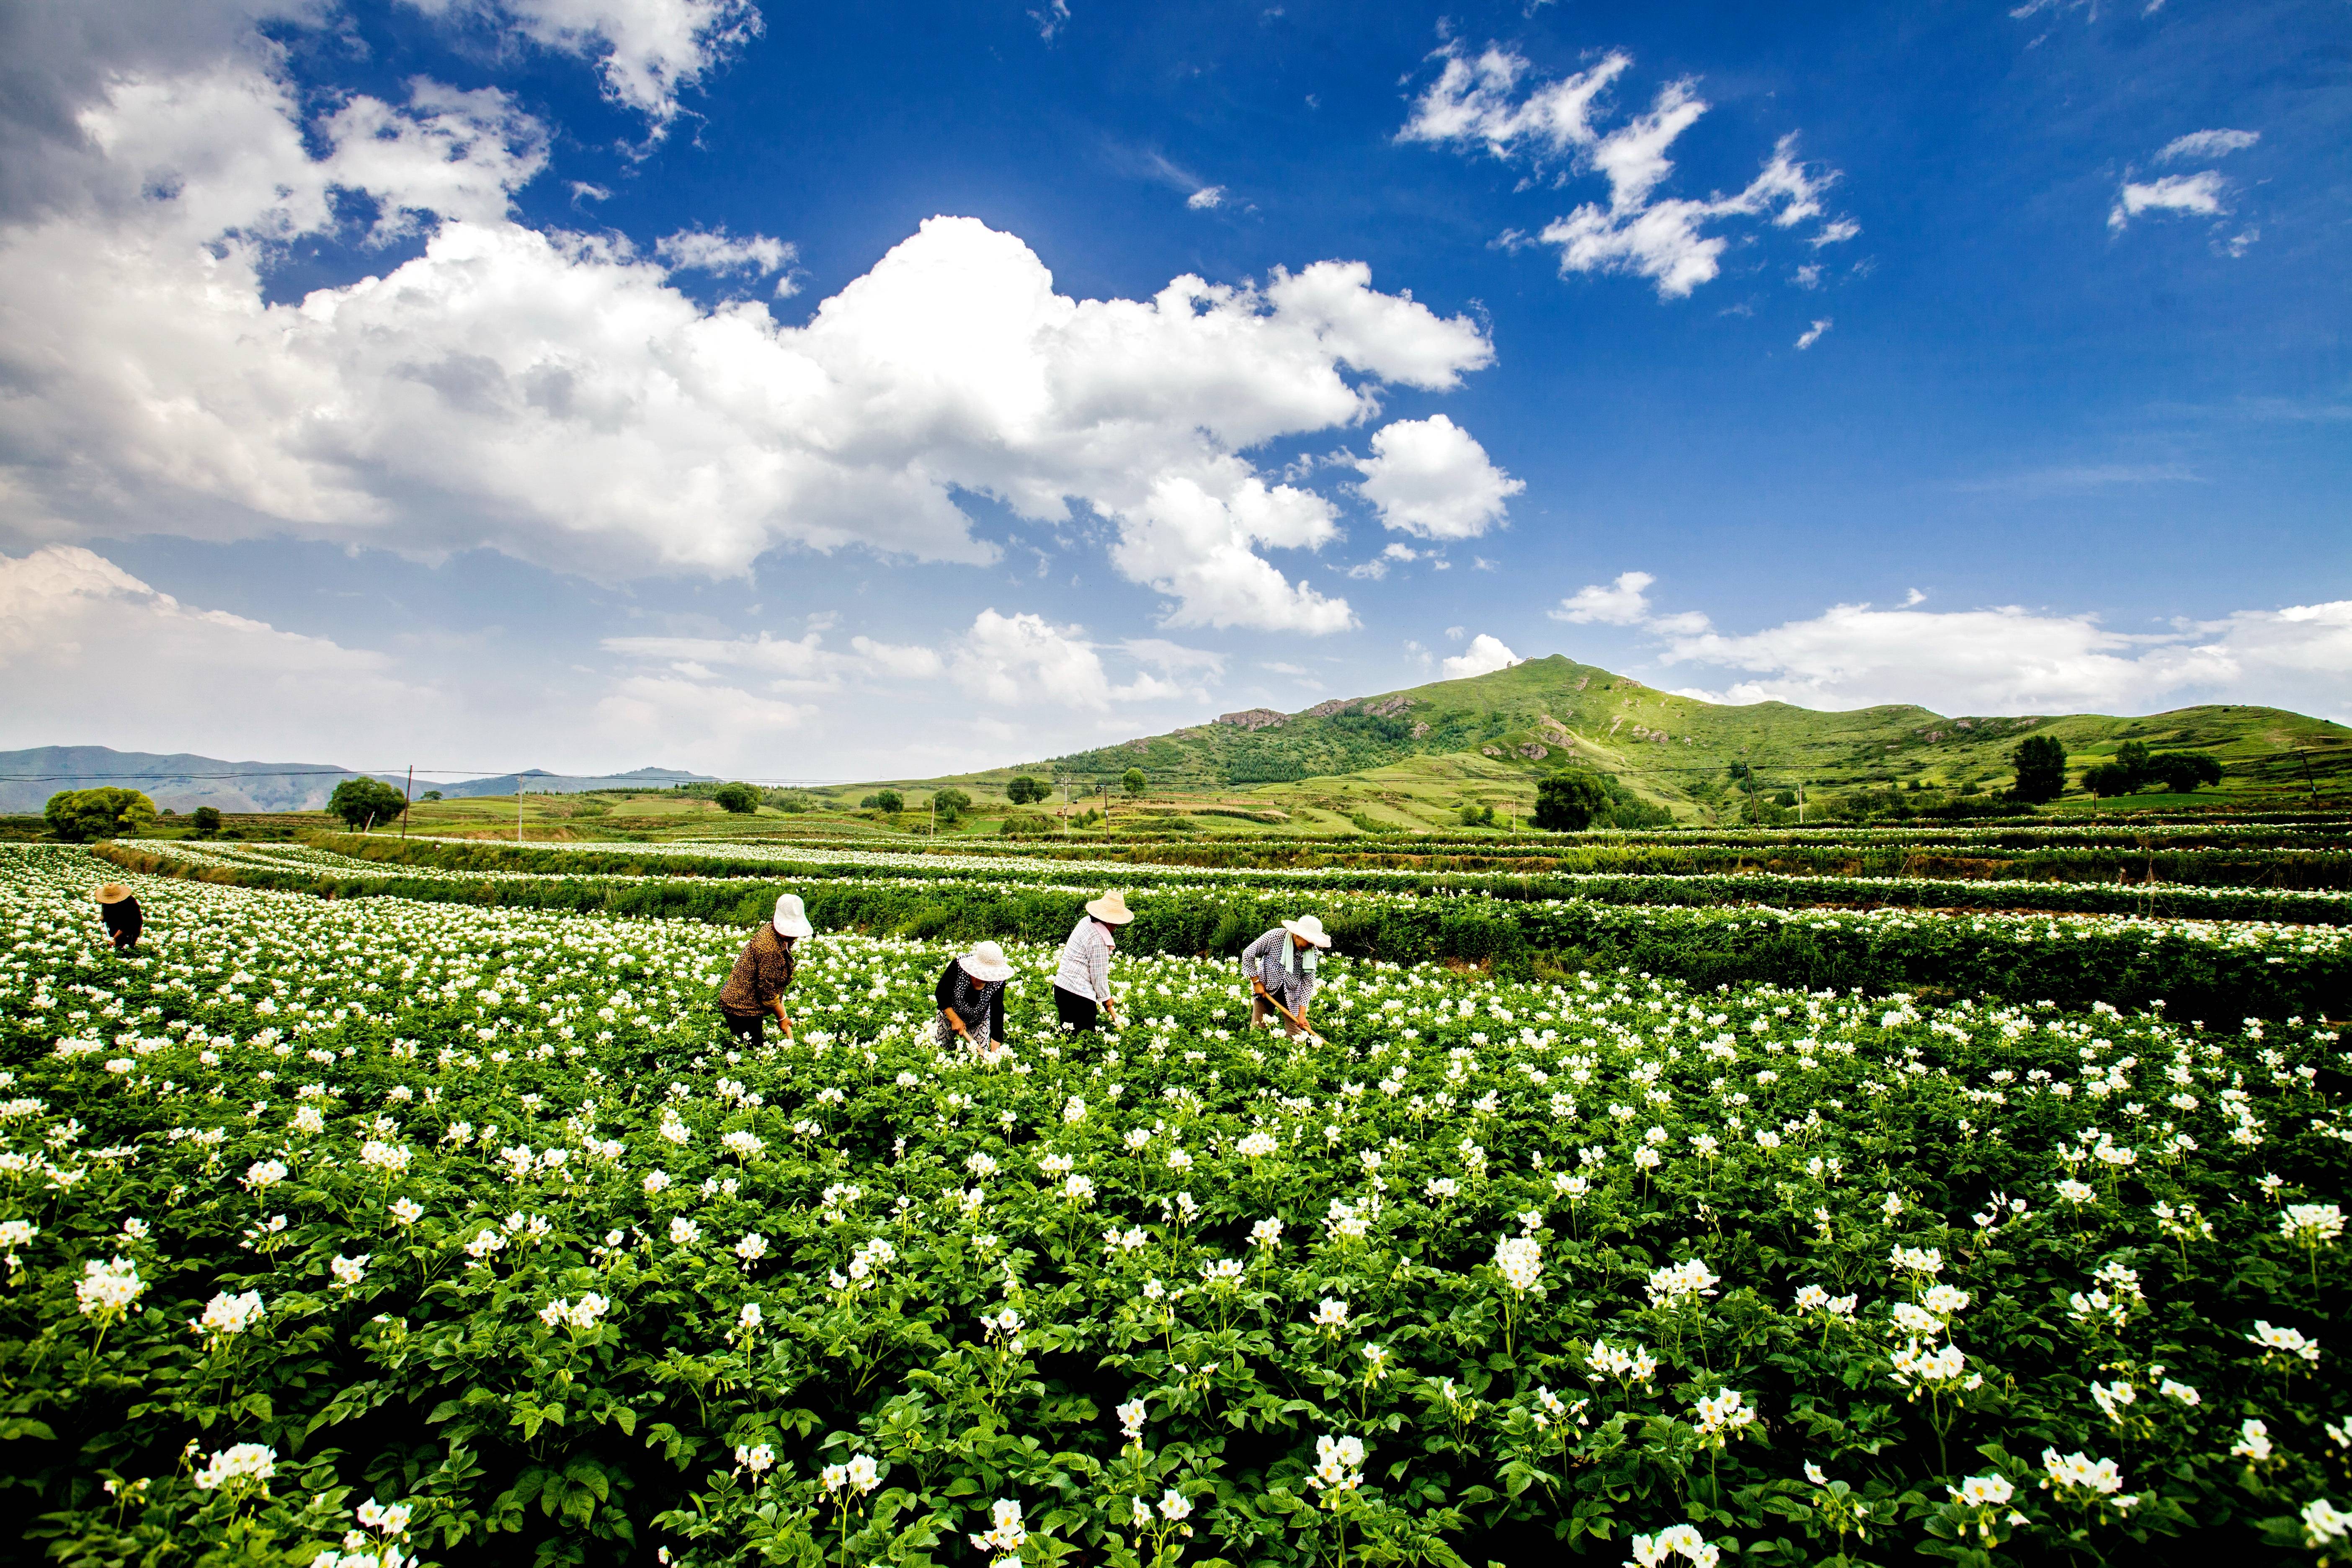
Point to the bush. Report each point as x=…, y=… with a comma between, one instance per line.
x=889, y=802
x=1568, y=800
x=1477, y=816
x=950, y=803
x=739, y=799
x=1025, y=791
x=363, y=801
x=207, y=819
x=77, y=815
x=2040, y=763
x=1027, y=824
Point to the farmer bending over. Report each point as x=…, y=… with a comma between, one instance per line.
x=762, y=974
x=971, y=994
x=1281, y=968
x=121, y=912
x=1082, y=984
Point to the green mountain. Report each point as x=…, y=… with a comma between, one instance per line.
x=1406, y=757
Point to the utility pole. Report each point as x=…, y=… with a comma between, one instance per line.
x=518, y=808
x=1801, y=800
x=2309, y=783
x=404, y=790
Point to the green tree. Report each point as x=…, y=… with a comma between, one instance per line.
x=207, y=819
x=888, y=801
x=2111, y=779
x=740, y=799
x=2040, y=763
x=1568, y=800
x=2183, y=772
x=950, y=803
x=1024, y=790
x=363, y=801
x=1134, y=780
x=79, y=815
x=430, y=794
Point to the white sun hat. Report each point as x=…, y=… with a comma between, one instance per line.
x=792, y=919
x=1310, y=927
x=986, y=962
x=1110, y=908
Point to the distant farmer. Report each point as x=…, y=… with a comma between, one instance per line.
x=1082, y=984
x=1281, y=968
x=121, y=911
x=971, y=994
x=763, y=972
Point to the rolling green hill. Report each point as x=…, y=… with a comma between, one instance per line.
x=1406, y=759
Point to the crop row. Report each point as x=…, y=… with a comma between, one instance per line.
x=2316, y=862
x=348, y=852
x=463, y=1228
x=2208, y=969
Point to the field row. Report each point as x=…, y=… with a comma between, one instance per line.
x=352, y=854
x=1506, y=1263
x=2207, y=969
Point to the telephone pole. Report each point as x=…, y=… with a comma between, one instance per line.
x=405, y=790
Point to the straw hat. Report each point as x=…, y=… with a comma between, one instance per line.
x=1110, y=908
x=986, y=962
x=1309, y=927
x=111, y=893
x=792, y=919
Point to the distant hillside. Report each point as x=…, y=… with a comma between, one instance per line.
x=182, y=781
x=179, y=780
x=538, y=782
x=1547, y=713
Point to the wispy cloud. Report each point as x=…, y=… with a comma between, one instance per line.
x=1494, y=101
x=2081, y=477
x=1812, y=335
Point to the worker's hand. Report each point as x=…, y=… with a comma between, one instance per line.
x=953, y=1022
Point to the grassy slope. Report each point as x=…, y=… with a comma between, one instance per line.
x=1488, y=738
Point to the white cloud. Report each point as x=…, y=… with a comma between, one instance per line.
x=1206, y=197
x=1396, y=554
x=2207, y=144
x=670, y=715
x=1005, y=660
x=2200, y=193
x=90, y=655
x=1480, y=102
x=1484, y=656
x=554, y=396
x=1624, y=603
x=717, y=252
x=1470, y=103
x=647, y=52
x=1812, y=335
x=2002, y=659
x=1667, y=241
x=1431, y=477
x=1051, y=17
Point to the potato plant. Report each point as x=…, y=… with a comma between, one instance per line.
x=348, y=1232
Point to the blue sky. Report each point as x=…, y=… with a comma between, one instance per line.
x=589, y=383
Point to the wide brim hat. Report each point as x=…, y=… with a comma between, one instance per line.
x=986, y=962
x=110, y=893
x=792, y=919
x=1309, y=928
x=1110, y=908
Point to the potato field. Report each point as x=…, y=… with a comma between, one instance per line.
x=424, y=1224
